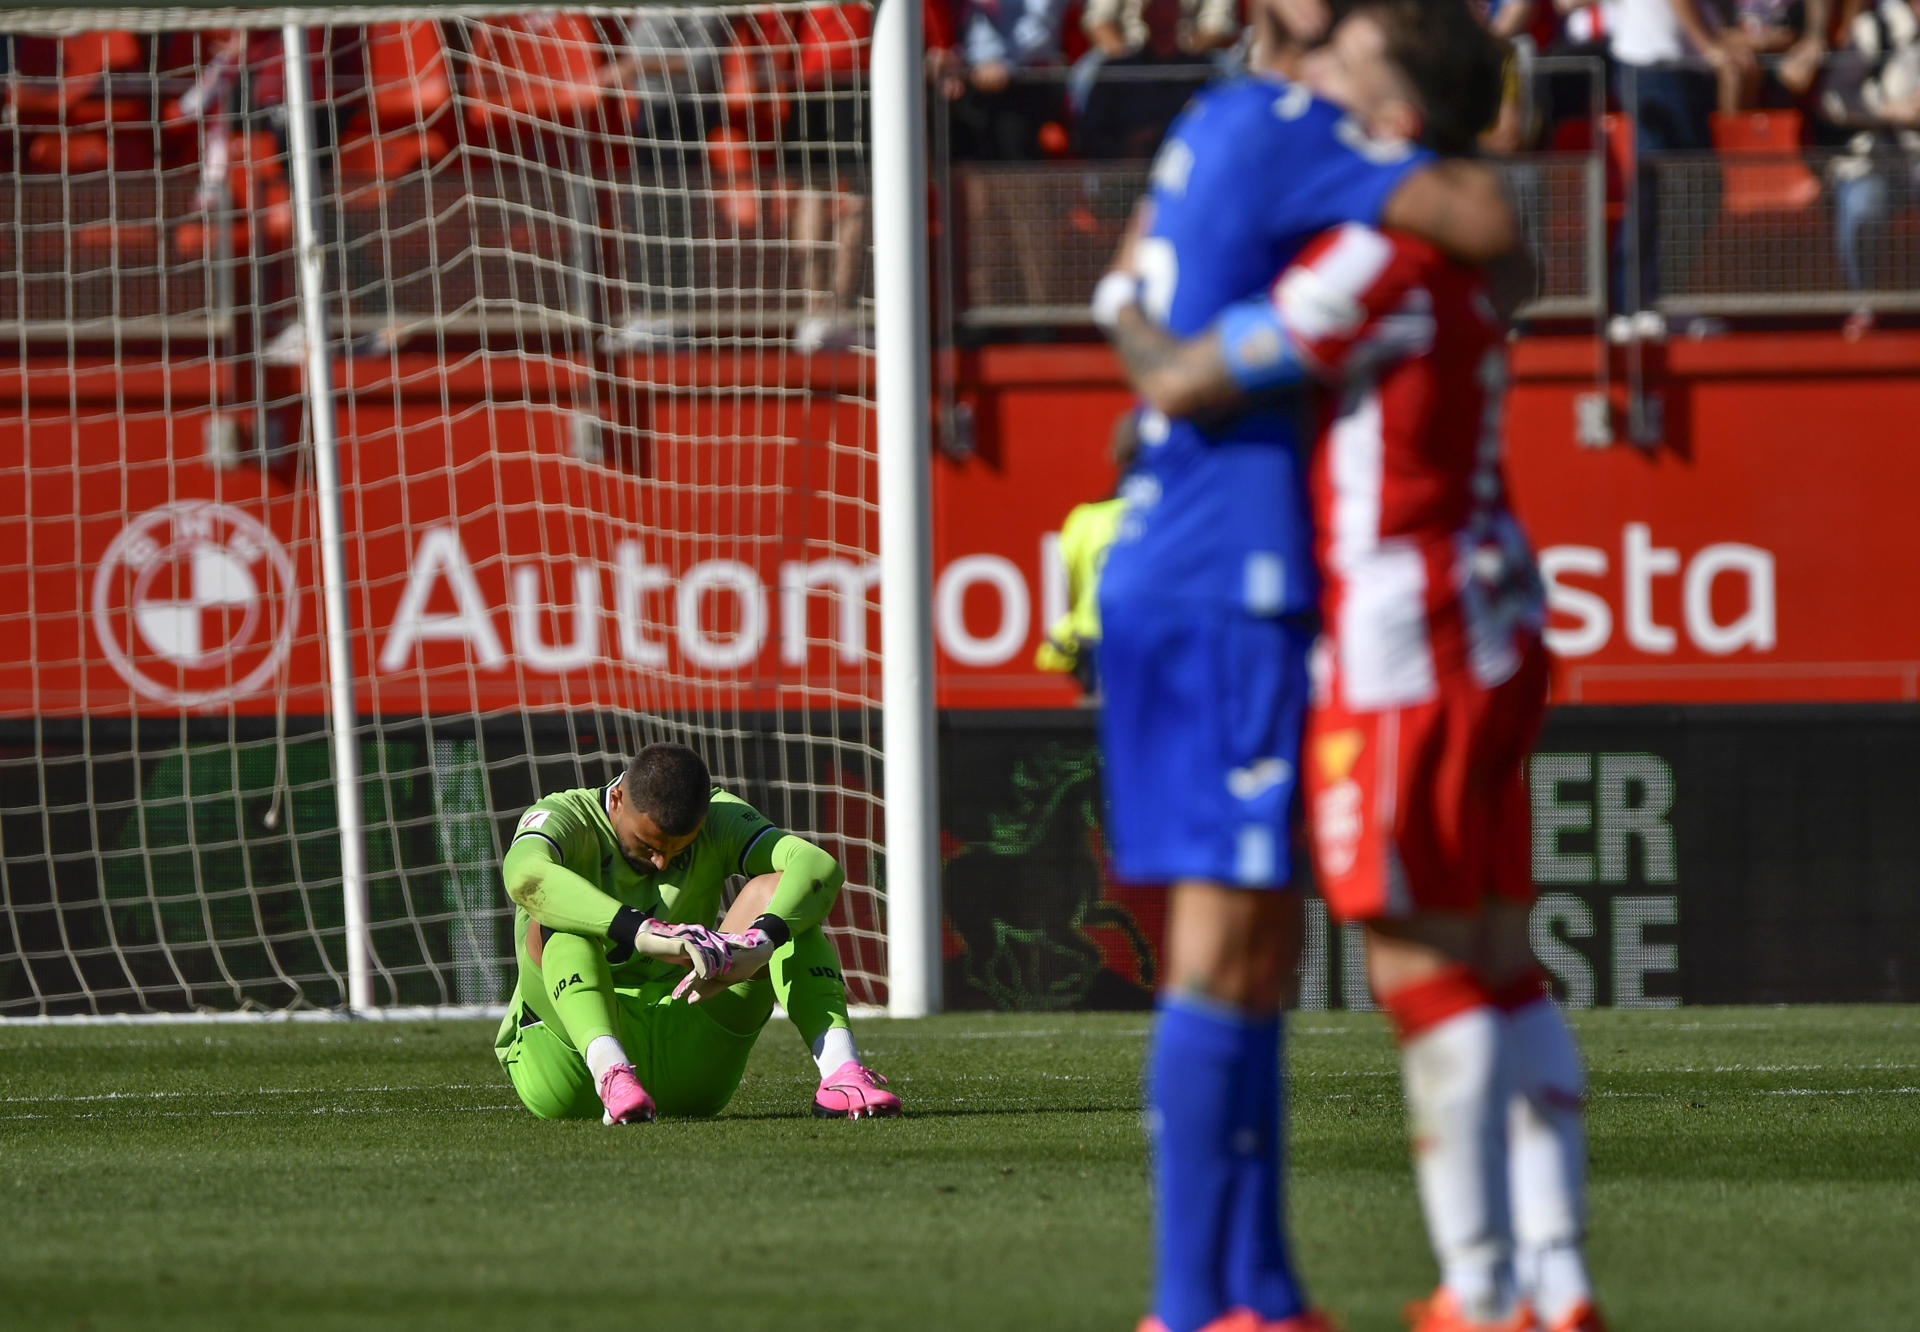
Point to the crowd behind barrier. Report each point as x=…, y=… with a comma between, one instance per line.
x=1677, y=167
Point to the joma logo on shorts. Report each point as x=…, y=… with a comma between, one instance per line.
x=574, y=979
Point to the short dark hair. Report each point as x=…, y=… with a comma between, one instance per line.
x=1453, y=65
x=670, y=784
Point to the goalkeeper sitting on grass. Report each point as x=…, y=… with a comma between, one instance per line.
x=629, y=1000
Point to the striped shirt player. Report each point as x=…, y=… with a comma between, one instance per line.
x=1430, y=684
x=1430, y=675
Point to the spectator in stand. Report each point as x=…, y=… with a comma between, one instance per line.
x=336, y=89
x=1793, y=30
x=1666, y=54
x=826, y=168
x=1513, y=21
x=1118, y=28
x=1121, y=110
x=1870, y=105
x=1123, y=31
x=999, y=116
x=946, y=67
x=1586, y=31
x=672, y=65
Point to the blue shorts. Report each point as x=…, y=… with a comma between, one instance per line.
x=1200, y=731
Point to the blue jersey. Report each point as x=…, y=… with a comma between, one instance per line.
x=1253, y=169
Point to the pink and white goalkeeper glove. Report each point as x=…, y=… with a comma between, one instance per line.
x=705, y=951
x=749, y=953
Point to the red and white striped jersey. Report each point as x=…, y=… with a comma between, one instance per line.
x=1427, y=578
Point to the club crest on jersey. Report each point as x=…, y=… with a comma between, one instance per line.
x=194, y=604
x=1336, y=752
x=1258, y=777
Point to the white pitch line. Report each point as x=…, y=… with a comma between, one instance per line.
x=1025, y=1035
x=955, y=1100
x=239, y=1114
x=1361, y=1073
x=257, y=1091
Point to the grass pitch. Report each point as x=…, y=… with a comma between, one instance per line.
x=1753, y=1169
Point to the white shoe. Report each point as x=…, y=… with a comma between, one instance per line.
x=644, y=332
x=1650, y=326
x=287, y=347
x=818, y=333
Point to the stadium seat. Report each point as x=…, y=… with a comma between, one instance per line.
x=544, y=68
x=406, y=72
x=1761, y=169
x=408, y=91
x=62, y=97
x=62, y=80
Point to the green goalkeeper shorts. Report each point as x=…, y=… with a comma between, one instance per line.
x=689, y=1057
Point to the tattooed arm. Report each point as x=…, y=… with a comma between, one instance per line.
x=1176, y=378
x=1245, y=351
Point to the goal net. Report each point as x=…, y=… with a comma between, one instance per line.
x=596, y=288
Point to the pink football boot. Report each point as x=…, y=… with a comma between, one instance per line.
x=626, y=1100
x=852, y=1091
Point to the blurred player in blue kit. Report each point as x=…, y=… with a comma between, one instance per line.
x=1207, y=606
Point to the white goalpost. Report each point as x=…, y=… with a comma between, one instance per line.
x=409, y=411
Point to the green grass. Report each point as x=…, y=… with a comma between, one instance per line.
x=1754, y=1169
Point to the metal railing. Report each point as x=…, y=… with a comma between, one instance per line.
x=1760, y=227
x=1024, y=242
x=1802, y=233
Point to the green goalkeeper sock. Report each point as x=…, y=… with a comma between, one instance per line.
x=579, y=980
x=806, y=981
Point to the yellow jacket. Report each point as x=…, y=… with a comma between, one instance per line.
x=1085, y=538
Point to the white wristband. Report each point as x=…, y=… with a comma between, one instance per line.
x=1115, y=293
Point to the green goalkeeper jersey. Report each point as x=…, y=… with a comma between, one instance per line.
x=575, y=828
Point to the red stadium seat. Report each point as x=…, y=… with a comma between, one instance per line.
x=59, y=80
x=408, y=91
x=546, y=68
x=407, y=72
x=1761, y=170
x=61, y=85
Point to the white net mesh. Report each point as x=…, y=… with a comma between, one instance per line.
x=597, y=285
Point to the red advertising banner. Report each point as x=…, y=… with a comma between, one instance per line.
x=509, y=548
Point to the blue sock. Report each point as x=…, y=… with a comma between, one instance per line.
x=1195, y=1076
x=1259, y=1267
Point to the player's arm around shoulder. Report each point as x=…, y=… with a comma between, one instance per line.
x=1188, y=378
x=1173, y=376
x=1462, y=207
